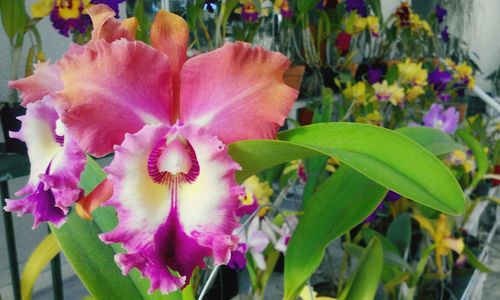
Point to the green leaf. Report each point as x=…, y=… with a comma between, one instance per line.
x=362, y=284
x=386, y=157
x=14, y=17
x=304, y=6
x=479, y=154
x=343, y=201
x=434, y=140
x=376, y=8
x=37, y=261
x=368, y=234
x=473, y=261
x=92, y=260
x=142, y=19
x=399, y=232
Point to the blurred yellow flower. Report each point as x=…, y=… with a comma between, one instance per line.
x=356, y=92
x=308, y=294
x=417, y=24
x=414, y=92
x=441, y=235
x=392, y=93
x=41, y=8
x=373, y=24
x=258, y=189
x=373, y=118
x=412, y=73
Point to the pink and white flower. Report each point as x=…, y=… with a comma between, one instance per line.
x=174, y=185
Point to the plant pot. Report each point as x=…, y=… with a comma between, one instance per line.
x=225, y=285
x=496, y=171
x=462, y=110
x=8, y=116
x=293, y=76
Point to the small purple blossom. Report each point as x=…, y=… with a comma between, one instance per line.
x=441, y=12
x=439, y=80
x=238, y=257
x=445, y=35
x=357, y=5
x=446, y=120
x=249, y=12
x=392, y=196
x=65, y=25
x=373, y=216
x=375, y=75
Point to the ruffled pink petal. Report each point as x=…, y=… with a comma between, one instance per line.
x=113, y=89
x=64, y=174
x=237, y=92
x=169, y=226
x=107, y=27
x=55, y=167
x=41, y=204
x=38, y=132
x=44, y=81
x=170, y=34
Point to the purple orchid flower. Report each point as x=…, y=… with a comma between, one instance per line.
x=375, y=75
x=238, y=257
x=446, y=120
x=441, y=12
x=70, y=15
x=445, y=35
x=56, y=165
x=439, y=80
x=373, y=216
x=357, y=5
x=392, y=196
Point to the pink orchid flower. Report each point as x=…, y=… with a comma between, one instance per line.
x=174, y=185
x=56, y=159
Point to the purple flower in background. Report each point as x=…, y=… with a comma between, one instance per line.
x=375, y=75
x=374, y=215
x=439, y=80
x=111, y=3
x=238, y=257
x=357, y=5
x=69, y=15
x=441, y=12
x=392, y=196
x=249, y=12
x=445, y=35
x=446, y=120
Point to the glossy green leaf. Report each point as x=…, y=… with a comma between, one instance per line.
x=362, y=284
x=14, y=17
x=343, y=201
x=388, y=158
x=476, y=263
x=305, y=6
x=368, y=234
x=399, y=232
x=479, y=154
x=432, y=139
x=37, y=261
x=93, y=260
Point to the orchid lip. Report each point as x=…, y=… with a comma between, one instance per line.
x=173, y=160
